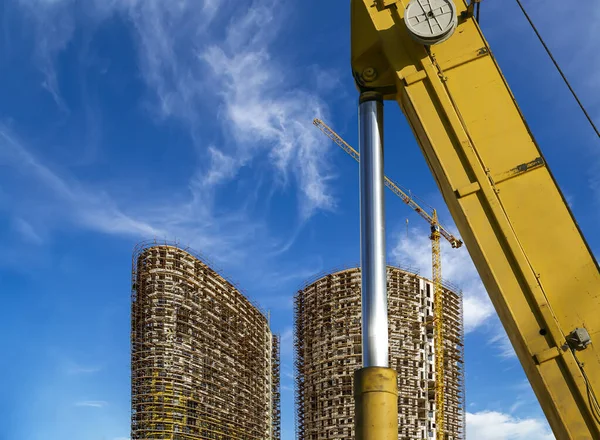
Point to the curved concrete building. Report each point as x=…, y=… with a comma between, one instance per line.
x=328, y=351
x=205, y=364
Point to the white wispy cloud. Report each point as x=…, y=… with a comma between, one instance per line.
x=287, y=335
x=499, y=338
x=90, y=208
x=207, y=68
x=27, y=232
x=287, y=341
x=493, y=425
x=168, y=35
x=222, y=167
x=163, y=28
x=53, y=30
x=226, y=236
x=414, y=250
x=524, y=398
x=92, y=403
x=326, y=80
x=263, y=115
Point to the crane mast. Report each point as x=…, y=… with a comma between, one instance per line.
x=437, y=231
x=438, y=317
x=433, y=60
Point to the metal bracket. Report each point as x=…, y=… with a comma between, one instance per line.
x=501, y=177
x=546, y=355
x=382, y=4
x=471, y=188
x=470, y=11
x=579, y=339
x=519, y=169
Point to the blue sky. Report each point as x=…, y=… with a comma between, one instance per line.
x=125, y=120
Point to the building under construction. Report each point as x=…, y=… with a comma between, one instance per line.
x=328, y=351
x=205, y=364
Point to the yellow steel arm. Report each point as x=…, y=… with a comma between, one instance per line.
x=532, y=258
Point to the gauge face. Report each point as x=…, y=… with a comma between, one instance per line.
x=430, y=21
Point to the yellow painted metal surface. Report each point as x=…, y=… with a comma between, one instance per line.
x=376, y=403
x=524, y=241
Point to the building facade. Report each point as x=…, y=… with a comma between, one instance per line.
x=204, y=362
x=327, y=339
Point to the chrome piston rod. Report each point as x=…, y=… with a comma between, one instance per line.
x=372, y=232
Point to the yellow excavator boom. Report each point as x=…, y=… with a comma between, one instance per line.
x=432, y=58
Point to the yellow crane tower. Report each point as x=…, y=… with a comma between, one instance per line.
x=437, y=231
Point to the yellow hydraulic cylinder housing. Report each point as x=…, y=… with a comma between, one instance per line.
x=376, y=403
x=538, y=270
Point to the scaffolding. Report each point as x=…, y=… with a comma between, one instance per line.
x=327, y=339
x=204, y=363
x=275, y=393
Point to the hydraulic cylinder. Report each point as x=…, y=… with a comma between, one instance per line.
x=375, y=385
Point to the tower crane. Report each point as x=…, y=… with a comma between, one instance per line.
x=394, y=187
x=437, y=231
